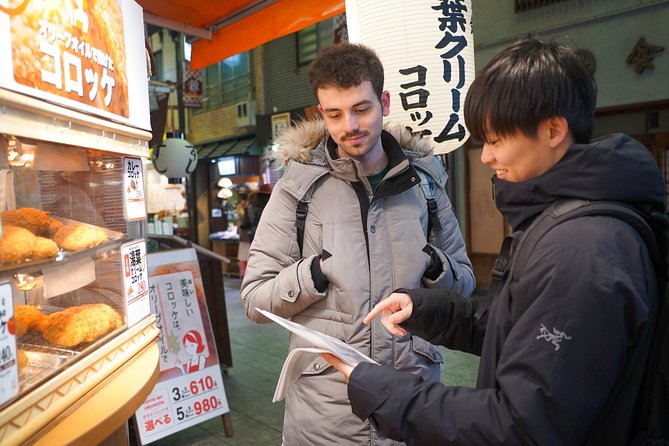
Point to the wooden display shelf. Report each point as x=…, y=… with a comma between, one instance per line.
x=229, y=249
x=91, y=399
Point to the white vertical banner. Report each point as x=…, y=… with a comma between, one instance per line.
x=427, y=51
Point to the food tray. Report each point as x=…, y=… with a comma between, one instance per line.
x=40, y=365
x=44, y=359
x=113, y=237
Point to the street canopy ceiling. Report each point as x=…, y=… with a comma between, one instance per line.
x=223, y=28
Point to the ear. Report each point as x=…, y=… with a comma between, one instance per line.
x=559, y=134
x=385, y=102
x=320, y=110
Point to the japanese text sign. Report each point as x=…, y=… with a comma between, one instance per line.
x=428, y=62
x=135, y=280
x=9, y=375
x=133, y=189
x=190, y=386
x=76, y=53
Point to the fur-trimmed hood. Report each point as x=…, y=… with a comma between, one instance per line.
x=305, y=143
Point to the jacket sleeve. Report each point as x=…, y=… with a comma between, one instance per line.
x=443, y=317
x=276, y=279
x=555, y=369
x=457, y=271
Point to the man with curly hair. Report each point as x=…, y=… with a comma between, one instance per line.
x=367, y=231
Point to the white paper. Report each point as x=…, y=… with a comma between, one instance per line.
x=299, y=358
x=296, y=361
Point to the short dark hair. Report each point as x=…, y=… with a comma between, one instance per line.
x=346, y=65
x=527, y=83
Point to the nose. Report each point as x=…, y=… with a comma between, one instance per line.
x=352, y=124
x=486, y=154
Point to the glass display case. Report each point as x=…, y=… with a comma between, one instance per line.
x=61, y=250
x=78, y=345
x=63, y=259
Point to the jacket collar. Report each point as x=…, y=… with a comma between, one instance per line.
x=302, y=143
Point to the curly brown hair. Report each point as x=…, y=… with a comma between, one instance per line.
x=346, y=65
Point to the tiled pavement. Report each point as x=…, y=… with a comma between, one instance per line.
x=258, y=352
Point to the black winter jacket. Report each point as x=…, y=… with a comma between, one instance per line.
x=558, y=341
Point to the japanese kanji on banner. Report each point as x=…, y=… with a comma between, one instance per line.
x=87, y=55
x=192, y=95
x=190, y=385
x=428, y=62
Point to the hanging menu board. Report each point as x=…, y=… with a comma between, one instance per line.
x=190, y=385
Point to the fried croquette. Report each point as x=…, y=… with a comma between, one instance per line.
x=75, y=325
x=75, y=236
x=16, y=244
x=28, y=319
x=36, y=221
x=54, y=226
x=44, y=248
x=21, y=358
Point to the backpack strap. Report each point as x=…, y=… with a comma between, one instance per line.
x=429, y=188
x=563, y=210
x=499, y=272
x=301, y=212
x=548, y=219
x=517, y=247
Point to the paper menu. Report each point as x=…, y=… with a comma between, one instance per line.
x=299, y=358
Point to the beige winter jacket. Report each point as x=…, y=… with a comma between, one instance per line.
x=368, y=262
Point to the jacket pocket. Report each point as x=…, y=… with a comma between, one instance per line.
x=429, y=351
x=327, y=246
x=316, y=367
x=418, y=231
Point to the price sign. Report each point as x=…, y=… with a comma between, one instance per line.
x=190, y=386
x=135, y=281
x=133, y=189
x=9, y=369
x=181, y=402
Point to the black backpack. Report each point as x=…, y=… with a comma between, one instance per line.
x=650, y=424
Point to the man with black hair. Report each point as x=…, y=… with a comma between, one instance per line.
x=564, y=346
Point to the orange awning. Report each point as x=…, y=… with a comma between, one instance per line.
x=236, y=25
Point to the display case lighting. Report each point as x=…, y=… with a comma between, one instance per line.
x=20, y=154
x=100, y=166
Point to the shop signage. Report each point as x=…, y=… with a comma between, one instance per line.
x=190, y=386
x=429, y=62
x=135, y=281
x=133, y=189
x=87, y=55
x=192, y=97
x=9, y=366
